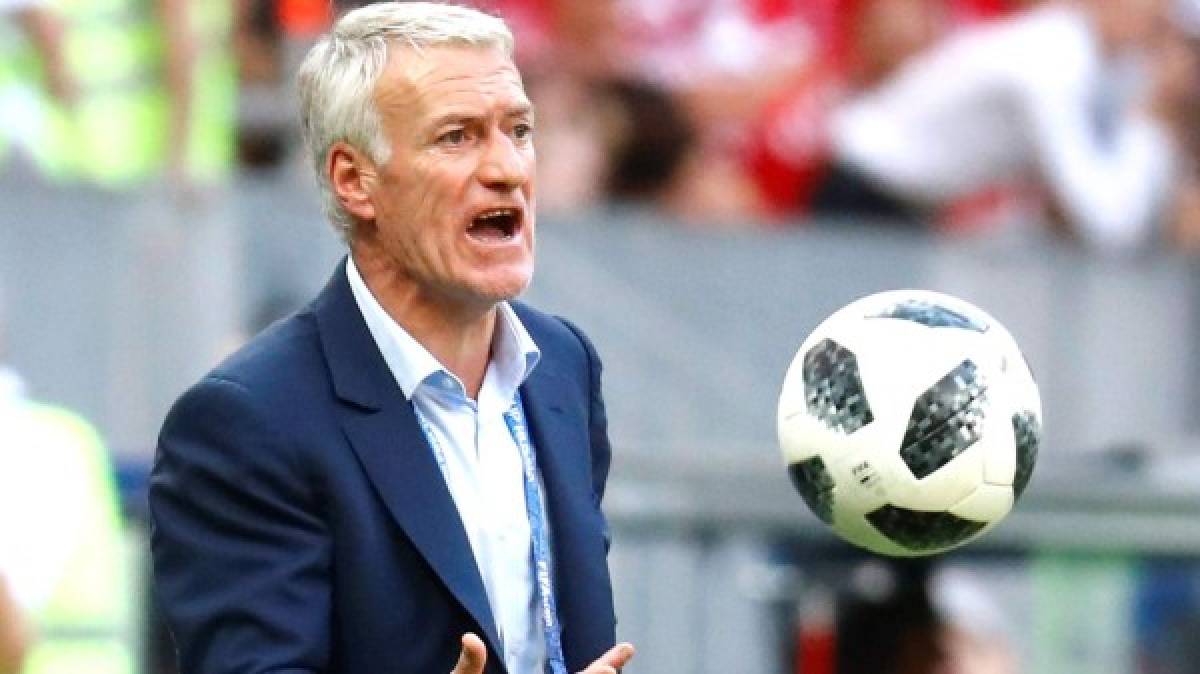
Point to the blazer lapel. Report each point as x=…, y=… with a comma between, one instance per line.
x=386, y=438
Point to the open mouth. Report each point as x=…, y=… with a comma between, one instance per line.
x=495, y=225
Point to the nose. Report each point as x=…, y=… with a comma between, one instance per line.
x=505, y=165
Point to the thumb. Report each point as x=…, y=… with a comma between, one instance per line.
x=473, y=657
x=612, y=661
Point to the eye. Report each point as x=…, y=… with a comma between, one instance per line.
x=523, y=130
x=453, y=137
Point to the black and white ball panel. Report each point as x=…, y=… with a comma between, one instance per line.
x=918, y=532
x=812, y=479
x=931, y=314
x=946, y=420
x=833, y=388
x=1027, y=432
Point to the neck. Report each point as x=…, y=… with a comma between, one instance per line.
x=457, y=333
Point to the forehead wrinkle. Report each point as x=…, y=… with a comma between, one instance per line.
x=422, y=71
x=415, y=86
x=492, y=85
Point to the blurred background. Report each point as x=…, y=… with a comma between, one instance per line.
x=721, y=174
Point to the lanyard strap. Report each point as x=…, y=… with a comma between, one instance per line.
x=514, y=418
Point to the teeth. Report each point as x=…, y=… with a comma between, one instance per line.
x=498, y=213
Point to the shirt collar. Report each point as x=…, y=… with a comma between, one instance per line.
x=514, y=353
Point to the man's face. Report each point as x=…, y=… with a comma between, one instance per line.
x=454, y=205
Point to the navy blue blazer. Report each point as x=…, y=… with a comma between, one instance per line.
x=300, y=523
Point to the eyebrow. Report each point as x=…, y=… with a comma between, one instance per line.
x=518, y=110
x=521, y=110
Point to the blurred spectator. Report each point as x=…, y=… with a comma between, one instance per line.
x=44, y=30
x=1057, y=95
x=649, y=140
x=1178, y=57
x=22, y=114
x=258, y=31
x=863, y=43
x=975, y=633
x=756, y=78
x=151, y=85
x=915, y=617
x=886, y=623
x=62, y=553
x=270, y=38
x=723, y=61
x=14, y=634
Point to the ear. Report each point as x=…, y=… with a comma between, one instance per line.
x=352, y=177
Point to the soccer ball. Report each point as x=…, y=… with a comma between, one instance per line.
x=909, y=422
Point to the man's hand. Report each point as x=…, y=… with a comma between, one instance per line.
x=474, y=657
x=612, y=661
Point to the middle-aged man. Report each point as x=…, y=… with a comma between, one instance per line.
x=406, y=475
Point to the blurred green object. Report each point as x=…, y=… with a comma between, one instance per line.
x=119, y=130
x=86, y=625
x=1082, y=613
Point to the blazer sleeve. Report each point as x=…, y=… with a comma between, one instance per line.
x=241, y=555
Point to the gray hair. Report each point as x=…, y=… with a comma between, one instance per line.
x=336, y=82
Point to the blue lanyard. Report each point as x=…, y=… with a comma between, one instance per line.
x=514, y=418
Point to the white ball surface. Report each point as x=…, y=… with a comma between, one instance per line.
x=909, y=421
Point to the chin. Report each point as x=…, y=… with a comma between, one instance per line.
x=500, y=288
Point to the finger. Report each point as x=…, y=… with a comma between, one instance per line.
x=612, y=661
x=473, y=657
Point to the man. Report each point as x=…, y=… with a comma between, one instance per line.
x=406, y=475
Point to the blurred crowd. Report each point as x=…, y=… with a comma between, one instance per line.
x=1073, y=118
x=1066, y=118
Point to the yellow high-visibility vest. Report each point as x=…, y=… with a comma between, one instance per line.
x=117, y=133
x=86, y=625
